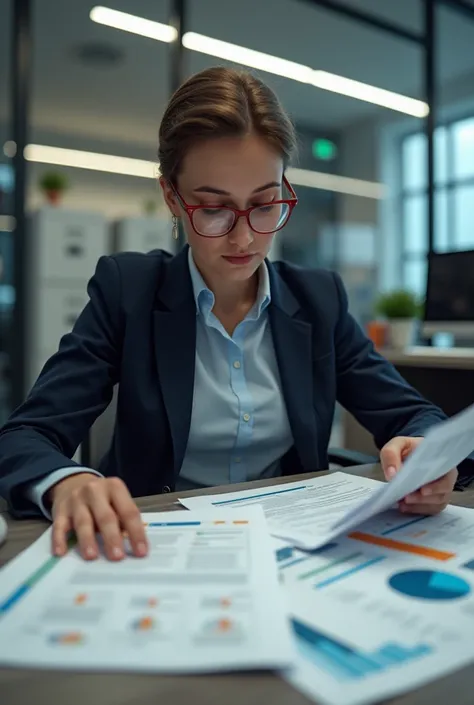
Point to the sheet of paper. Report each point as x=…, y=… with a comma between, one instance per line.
x=301, y=512
x=207, y=598
x=444, y=447
x=382, y=610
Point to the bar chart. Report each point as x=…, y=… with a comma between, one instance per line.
x=345, y=663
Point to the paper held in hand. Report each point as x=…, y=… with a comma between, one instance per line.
x=310, y=513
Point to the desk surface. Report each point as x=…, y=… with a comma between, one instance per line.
x=18, y=687
x=424, y=356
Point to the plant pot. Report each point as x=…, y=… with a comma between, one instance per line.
x=53, y=196
x=401, y=332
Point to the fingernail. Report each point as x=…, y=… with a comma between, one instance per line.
x=90, y=552
x=391, y=472
x=426, y=491
x=117, y=552
x=142, y=549
x=58, y=550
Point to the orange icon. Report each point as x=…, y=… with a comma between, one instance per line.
x=224, y=625
x=80, y=599
x=145, y=623
x=225, y=602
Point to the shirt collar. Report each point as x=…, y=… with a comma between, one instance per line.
x=205, y=299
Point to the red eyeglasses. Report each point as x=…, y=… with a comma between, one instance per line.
x=217, y=221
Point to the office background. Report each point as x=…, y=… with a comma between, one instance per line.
x=382, y=181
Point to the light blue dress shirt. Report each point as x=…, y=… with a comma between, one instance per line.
x=239, y=424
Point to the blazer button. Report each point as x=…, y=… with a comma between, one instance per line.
x=166, y=489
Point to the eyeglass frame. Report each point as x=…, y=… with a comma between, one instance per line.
x=190, y=210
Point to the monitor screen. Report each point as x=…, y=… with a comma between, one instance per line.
x=450, y=287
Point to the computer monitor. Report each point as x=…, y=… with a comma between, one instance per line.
x=450, y=295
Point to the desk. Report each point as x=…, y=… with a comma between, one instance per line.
x=19, y=687
x=445, y=376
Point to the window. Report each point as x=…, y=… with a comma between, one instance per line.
x=454, y=196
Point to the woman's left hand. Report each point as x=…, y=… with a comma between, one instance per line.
x=429, y=499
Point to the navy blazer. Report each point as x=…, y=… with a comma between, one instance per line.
x=139, y=330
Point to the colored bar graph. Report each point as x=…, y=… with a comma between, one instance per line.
x=393, y=529
x=349, y=572
x=258, y=496
x=174, y=523
x=34, y=578
x=347, y=663
x=402, y=546
x=328, y=566
x=284, y=553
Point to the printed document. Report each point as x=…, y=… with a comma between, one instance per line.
x=311, y=513
x=384, y=609
x=206, y=598
x=301, y=512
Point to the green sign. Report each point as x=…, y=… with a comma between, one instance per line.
x=324, y=149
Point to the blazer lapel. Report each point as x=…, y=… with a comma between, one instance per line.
x=175, y=349
x=292, y=339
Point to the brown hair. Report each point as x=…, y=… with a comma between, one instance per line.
x=221, y=102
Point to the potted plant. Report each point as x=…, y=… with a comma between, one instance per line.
x=53, y=184
x=400, y=308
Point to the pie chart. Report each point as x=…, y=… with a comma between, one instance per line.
x=429, y=585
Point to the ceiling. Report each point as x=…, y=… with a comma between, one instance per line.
x=121, y=104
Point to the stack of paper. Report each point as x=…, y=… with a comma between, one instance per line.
x=206, y=598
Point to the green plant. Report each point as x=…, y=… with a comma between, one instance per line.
x=53, y=181
x=150, y=207
x=398, y=304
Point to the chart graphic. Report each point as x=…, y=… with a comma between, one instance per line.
x=429, y=585
x=345, y=663
x=144, y=624
x=67, y=639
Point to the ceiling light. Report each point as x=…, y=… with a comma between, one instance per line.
x=370, y=94
x=247, y=57
x=90, y=160
x=333, y=182
x=45, y=154
x=263, y=62
x=133, y=24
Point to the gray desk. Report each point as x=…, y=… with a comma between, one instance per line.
x=25, y=687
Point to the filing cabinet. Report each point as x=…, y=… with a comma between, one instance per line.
x=143, y=234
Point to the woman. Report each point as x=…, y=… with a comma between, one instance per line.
x=229, y=367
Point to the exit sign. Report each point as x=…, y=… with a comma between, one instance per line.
x=324, y=149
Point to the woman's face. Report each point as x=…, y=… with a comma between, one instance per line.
x=237, y=172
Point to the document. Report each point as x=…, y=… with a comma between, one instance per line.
x=304, y=512
x=444, y=447
x=383, y=609
x=206, y=598
x=312, y=513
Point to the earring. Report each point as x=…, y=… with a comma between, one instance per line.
x=175, y=227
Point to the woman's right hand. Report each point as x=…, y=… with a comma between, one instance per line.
x=86, y=504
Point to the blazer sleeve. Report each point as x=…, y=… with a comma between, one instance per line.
x=370, y=387
x=73, y=389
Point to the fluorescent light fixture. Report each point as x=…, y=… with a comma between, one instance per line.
x=263, y=62
x=150, y=170
x=133, y=24
x=7, y=223
x=333, y=182
x=370, y=94
x=247, y=57
x=90, y=160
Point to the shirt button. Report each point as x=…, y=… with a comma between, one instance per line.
x=237, y=365
x=246, y=417
x=166, y=489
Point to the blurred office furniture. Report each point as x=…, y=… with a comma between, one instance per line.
x=445, y=376
x=64, y=247
x=143, y=234
x=450, y=295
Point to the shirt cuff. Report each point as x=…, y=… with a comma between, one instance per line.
x=36, y=491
